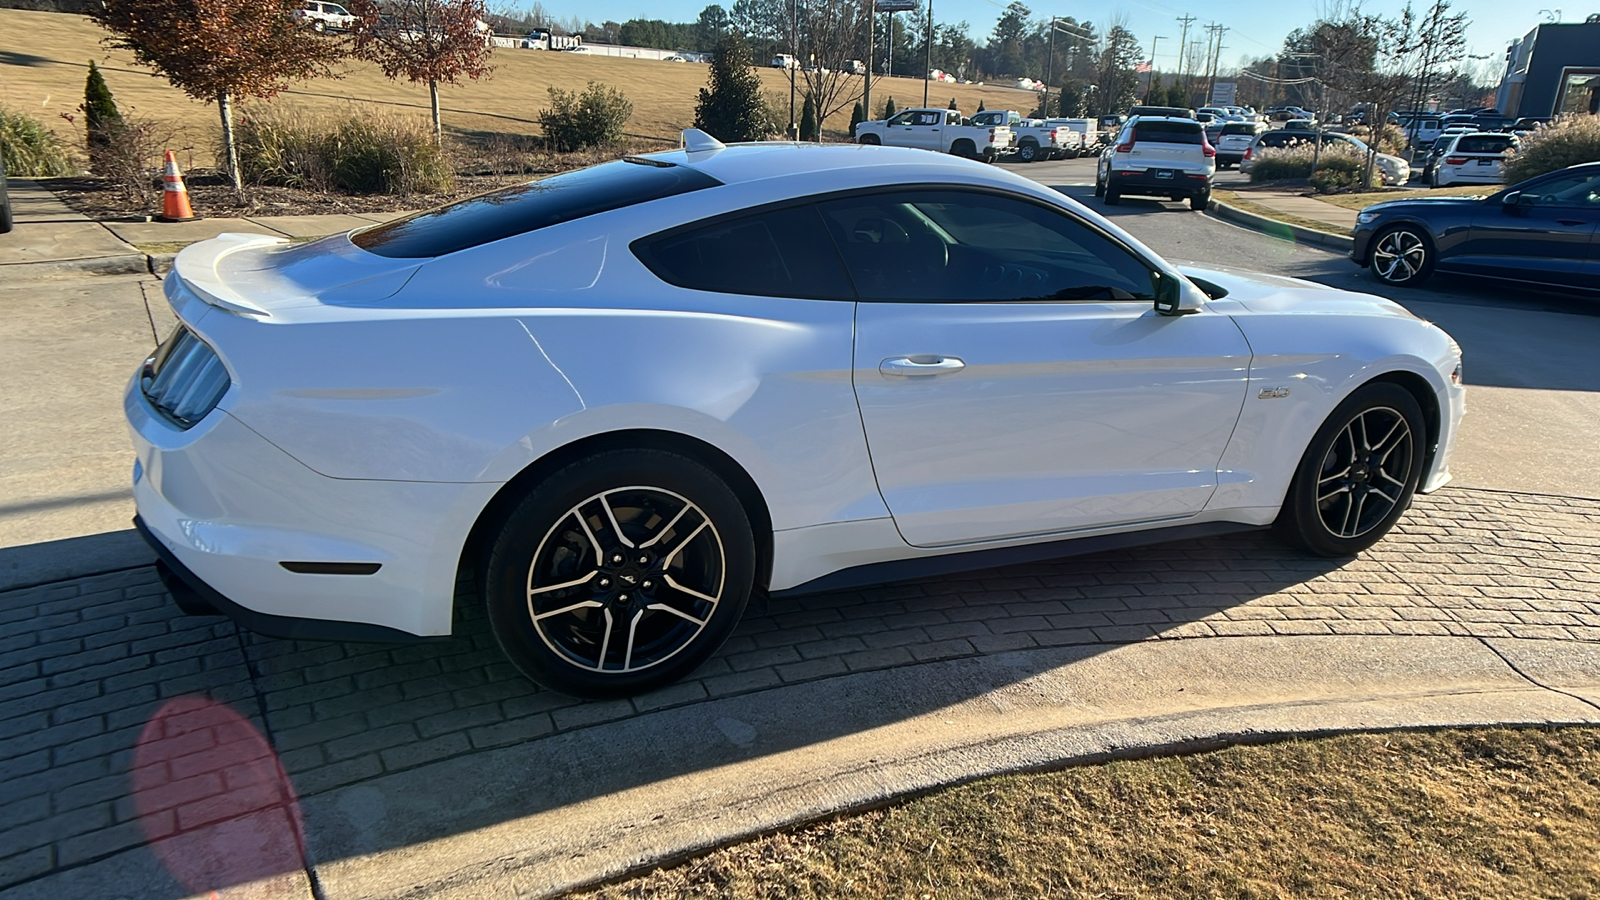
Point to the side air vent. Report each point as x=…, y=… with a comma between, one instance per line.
x=184, y=379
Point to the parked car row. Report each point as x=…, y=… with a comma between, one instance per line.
x=988, y=135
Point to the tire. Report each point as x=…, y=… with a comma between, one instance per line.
x=581, y=555
x=1113, y=197
x=1099, y=187
x=965, y=148
x=319, y=27
x=870, y=140
x=1401, y=256
x=1199, y=202
x=1029, y=151
x=5, y=202
x=1349, y=491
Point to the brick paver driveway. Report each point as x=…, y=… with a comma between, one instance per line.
x=124, y=723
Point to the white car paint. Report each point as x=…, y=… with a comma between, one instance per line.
x=377, y=405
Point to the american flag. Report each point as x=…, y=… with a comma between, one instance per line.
x=1142, y=68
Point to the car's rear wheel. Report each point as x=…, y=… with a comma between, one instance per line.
x=1198, y=202
x=964, y=148
x=1401, y=256
x=1358, y=474
x=870, y=140
x=620, y=573
x=1029, y=151
x=1113, y=196
x=1099, y=186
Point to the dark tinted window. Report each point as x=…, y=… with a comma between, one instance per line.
x=1482, y=144
x=964, y=247
x=779, y=253
x=1168, y=132
x=1239, y=128
x=528, y=207
x=1567, y=189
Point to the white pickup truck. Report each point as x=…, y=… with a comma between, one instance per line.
x=1033, y=139
x=937, y=129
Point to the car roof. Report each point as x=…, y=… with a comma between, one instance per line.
x=770, y=159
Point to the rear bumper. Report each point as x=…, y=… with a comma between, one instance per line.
x=284, y=550
x=1145, y=183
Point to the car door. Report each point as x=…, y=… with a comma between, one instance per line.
x=1547, y=234
x=1012, y=376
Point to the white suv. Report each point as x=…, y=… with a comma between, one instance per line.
x=324, y=16
x=1158, y=156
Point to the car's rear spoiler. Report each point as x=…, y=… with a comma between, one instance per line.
x=197, y=264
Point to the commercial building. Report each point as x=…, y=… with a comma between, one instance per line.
x=1553, y=70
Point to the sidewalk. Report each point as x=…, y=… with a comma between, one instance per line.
x=1337, y=219
x=51, y=240
x=1304, y=220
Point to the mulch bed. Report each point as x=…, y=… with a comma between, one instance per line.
x=212, y=195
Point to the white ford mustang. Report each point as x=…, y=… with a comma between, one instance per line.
x=629, y=397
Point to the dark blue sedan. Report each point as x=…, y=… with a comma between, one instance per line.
x=1541, y=231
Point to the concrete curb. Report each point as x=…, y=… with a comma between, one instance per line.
x=1275, y=228
x=123, y=264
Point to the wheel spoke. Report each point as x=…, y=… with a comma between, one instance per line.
x=633, y=628
x=1391, y=479
x=690, y=591
x=534, y=592
x=1341, y=489
x=665, y=529
x=589, y=533
x=662, y=607
x=678, y=546
x=605, y=641
x=582, y=604
x=611, y=514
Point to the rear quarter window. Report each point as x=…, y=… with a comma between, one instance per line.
x=529, y=207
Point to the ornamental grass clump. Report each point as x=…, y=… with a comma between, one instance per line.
x=1338, y=168
x=358, y=153
x=30, y=149
x=1568, y=142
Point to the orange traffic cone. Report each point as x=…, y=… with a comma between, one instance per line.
x=174, y=196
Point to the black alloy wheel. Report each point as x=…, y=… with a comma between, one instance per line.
x=1401, y=256
x=621, y=573
x=1358, y=474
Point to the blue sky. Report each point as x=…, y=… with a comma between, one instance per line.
x=1258, y=26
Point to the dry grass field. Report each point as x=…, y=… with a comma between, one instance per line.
x=44, y=58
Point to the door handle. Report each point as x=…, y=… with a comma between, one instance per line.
x=1571, y=222
x=921, y=365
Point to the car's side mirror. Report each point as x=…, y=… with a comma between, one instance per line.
x=1169, y=296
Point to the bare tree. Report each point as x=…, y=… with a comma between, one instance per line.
x=833, y=31
x=429, y=41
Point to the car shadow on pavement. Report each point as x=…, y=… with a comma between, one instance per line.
x=134, y=736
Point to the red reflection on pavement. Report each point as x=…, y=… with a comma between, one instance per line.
x=216, y=807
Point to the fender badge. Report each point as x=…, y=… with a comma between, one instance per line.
x=1277, y=393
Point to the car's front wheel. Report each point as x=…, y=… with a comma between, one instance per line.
x=870, y=140
x=620, y=573
x=1359, y=473
x=1401, y=256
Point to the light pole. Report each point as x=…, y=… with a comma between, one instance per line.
x=794, y=60
x=1151, y=81
x=866, y=88
x=928, y=74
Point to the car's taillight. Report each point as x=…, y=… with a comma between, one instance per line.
x=184, y=380
x=1206, y=147
x=1247, y=151
x=991, y=135
x=1455, y=160
x=1124, y=148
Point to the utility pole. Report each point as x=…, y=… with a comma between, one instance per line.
x=866, y=88
x=1183, y=50
x=1214, y=53
x=928, y=73
x=888, y=61
x=794, y=61
x=1049, y=69
x=1151, y=81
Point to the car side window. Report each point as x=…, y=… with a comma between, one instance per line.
x=776, y=253
x=943, y=246
x=1567, y=190
x=902, y=119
